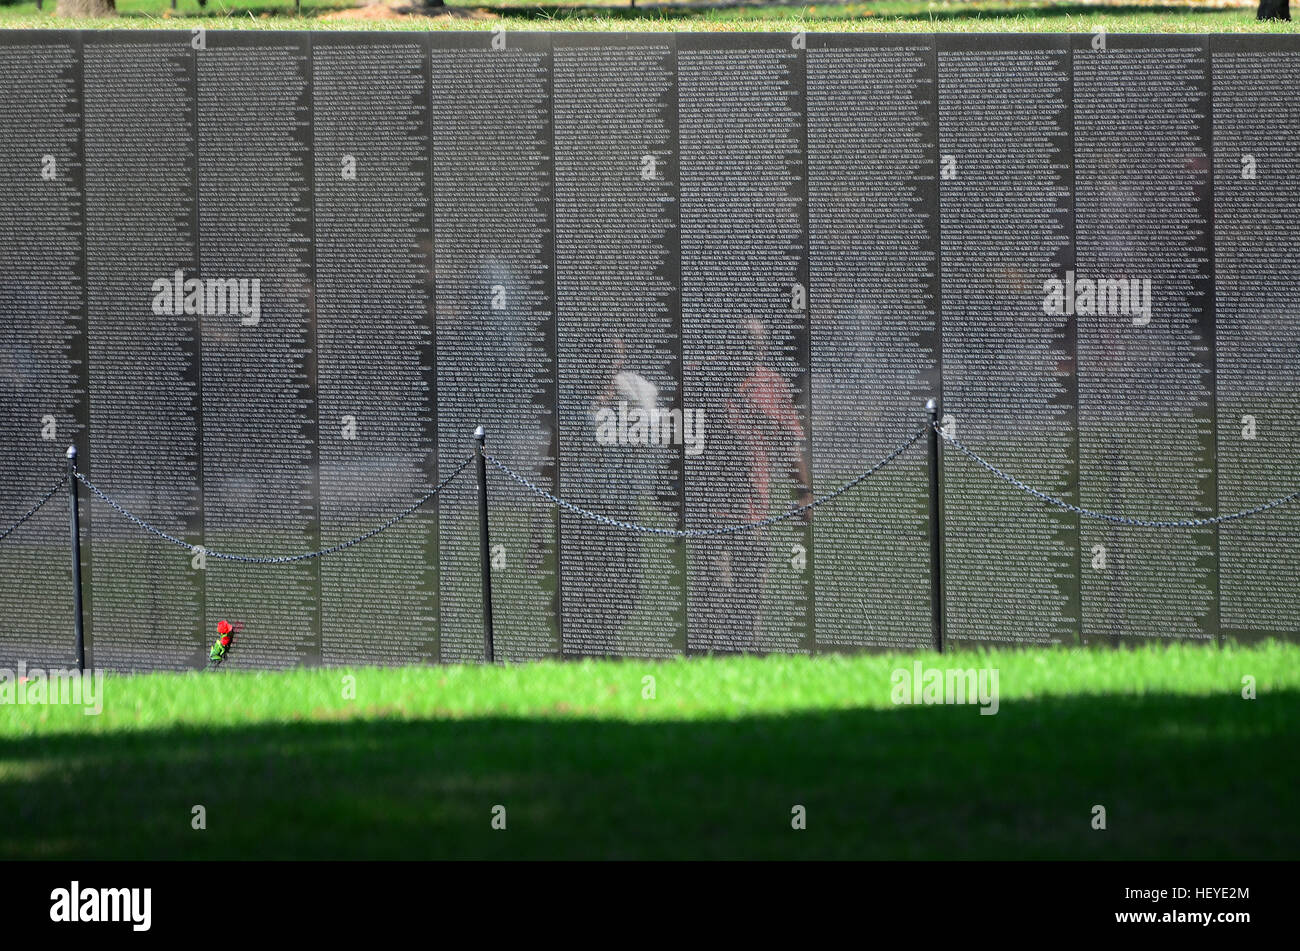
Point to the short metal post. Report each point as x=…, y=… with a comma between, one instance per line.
x=74, y=515
x=936, y=529
x=484, y=543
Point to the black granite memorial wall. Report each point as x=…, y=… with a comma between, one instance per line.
x=1256, y=347
x=873, y=233
x=375, y=349
x=744, y=271
x=1146, y=372
x=618, y=340
x=1005, y=173
x=42, y=329
x=494, y=319
x=146, y=379
x=269, y=283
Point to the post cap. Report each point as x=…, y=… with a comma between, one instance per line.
x=480, y=434
x=72, y=453
x=932, y=405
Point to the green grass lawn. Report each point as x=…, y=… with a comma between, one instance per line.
x=710, y=768
x=913, y=16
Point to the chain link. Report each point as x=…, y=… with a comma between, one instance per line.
x=1102, y=516
x=33, y=510
x=272, y=559
x=704, y=532
x=553, y=499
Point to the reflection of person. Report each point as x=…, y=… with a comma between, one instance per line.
x=763, y=443
x=617, y=478
x=620, y=385
x=764, y=416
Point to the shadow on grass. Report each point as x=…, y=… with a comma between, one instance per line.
x=1190, y=777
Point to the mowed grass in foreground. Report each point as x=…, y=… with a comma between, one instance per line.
x=587, y=767
x=907, y=16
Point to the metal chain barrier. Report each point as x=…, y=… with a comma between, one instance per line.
x=553, y=499
x=32, y=511
x=932, y=429
x=272, y=559
x=1102, y=516
x=705, y=532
